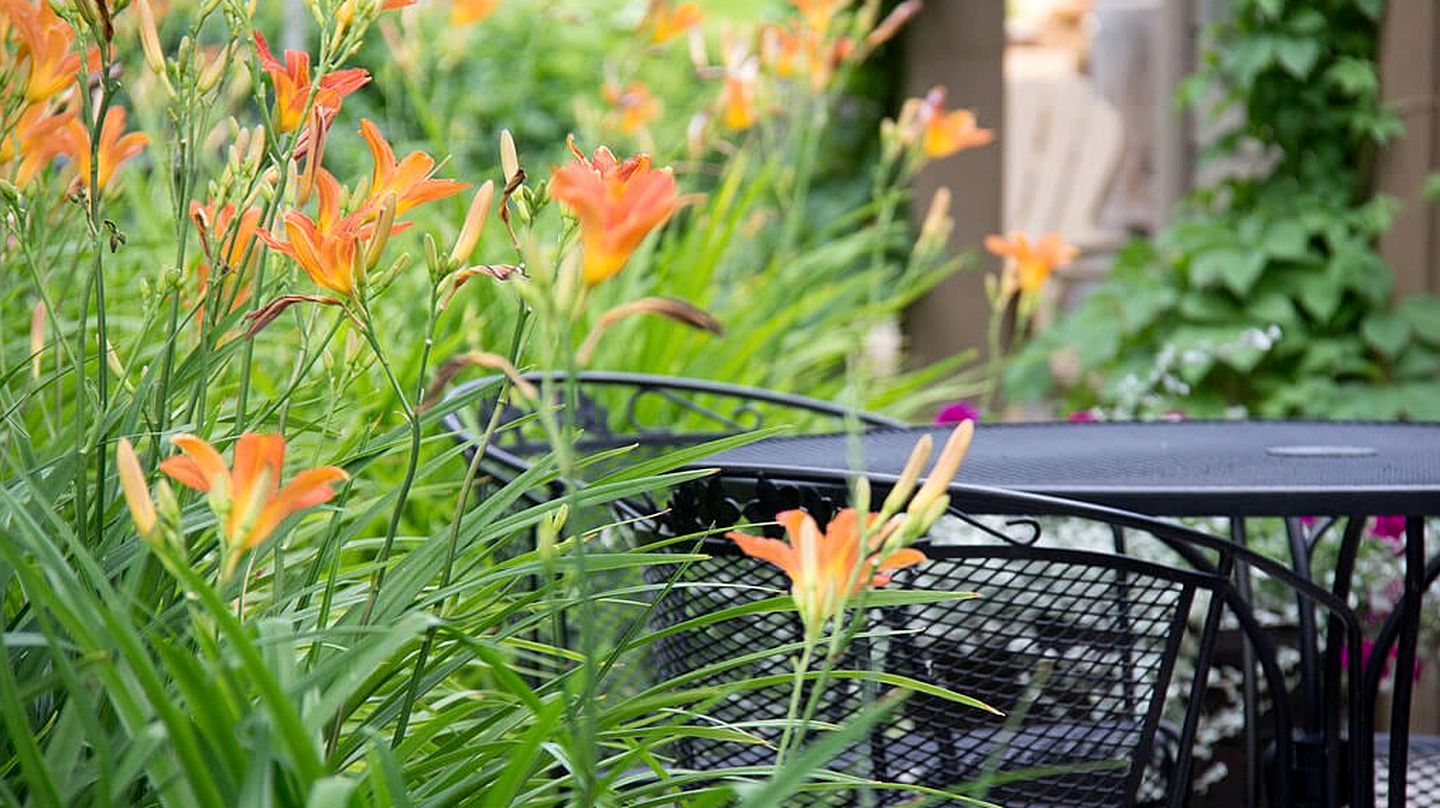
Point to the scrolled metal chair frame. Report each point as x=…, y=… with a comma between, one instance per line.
x=1213, y=563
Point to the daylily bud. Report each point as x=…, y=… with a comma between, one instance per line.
x=479, y=359
x=132, y=483
x=548, y=531
x=860, y=495
x=935, y=231
x=698, y=57
x=112, y=359
x=37, y=339
x=919, y=525
x=383, y=226
x=892, y=23
x=474, y=224
x=167, y=507
x=211, y=73
x=150, y=37
x=509, y=160
x=257, y=148
x=945, y=468
x=695, y=134
x=910, y=475
x=677, y=310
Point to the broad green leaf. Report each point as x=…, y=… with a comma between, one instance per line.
x=1287, y=238
x=1422, y=312
x=1297, y=55
x=330, y=792
x=1386, y=333
x=1320, y=295
x=1235, y=267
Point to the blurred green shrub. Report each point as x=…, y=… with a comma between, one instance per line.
x=1290, y=249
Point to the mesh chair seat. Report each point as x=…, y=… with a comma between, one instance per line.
x=1076, y=647
x=1422, y=775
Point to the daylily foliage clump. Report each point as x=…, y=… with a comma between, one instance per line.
x=251, y=251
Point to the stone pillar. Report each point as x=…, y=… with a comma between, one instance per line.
x=960, y=44
x=1410, y=80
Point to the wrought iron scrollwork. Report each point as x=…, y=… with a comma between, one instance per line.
x=720, y=502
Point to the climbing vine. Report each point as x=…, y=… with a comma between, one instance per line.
x=1286, y=252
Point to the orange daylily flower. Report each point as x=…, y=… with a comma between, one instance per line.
x=780, y=50
x=618, y=204
x=346, y=13
x=231, y=253
x=247, y=498
x=946, y=133
x=45, y=41
x=469, y=12
x=325, y=246
x=818, y=13
x=633, y=108
x=38, y=137
x=667, y=21
x=292, y=85
x=409, y=179
x=737, y=102
x=784, y=51
x=825, y=569
x=1029, y=265
x=116, y=147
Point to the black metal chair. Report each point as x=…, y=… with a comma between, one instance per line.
x=1077, y=646
x=1422, y=774
x=654, y=412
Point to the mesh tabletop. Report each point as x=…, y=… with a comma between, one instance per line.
x=1188, y=468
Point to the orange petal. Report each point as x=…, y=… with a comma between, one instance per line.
x=255, y=455
x=907, y=557
x=308, y=489
x=772, y=551
x=209, y=468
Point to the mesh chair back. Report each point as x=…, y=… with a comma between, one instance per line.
x=656, y=412
x=1077, y=647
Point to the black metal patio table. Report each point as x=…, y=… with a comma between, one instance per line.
x=1190, y=468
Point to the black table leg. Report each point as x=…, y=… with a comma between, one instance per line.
x=1249, y=689
x=1405, y=661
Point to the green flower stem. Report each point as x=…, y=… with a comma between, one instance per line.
x=413, y=460
x=802, y=667
x=472, y=471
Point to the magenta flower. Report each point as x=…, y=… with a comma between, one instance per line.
x=1083, y=417
x=956, y=412
x=1388, y=527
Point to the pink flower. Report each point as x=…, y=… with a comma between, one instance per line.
x=1388, y=527
x=957, y=411
x=1367, y=652
x=1084, y=417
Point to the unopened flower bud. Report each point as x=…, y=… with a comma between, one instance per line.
x=132, y=483
x=37, y=339
x=509, y=160
x=945, y=468
x=257, y=148
x=892, y=23
x=668, y=307
x=168, y=508
x=211, y=73
x=150, y=37
x=383, y=226
x=935, y=230
x=860, y=495
x=112, y=359
x=909, y=476
x=474, y=224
